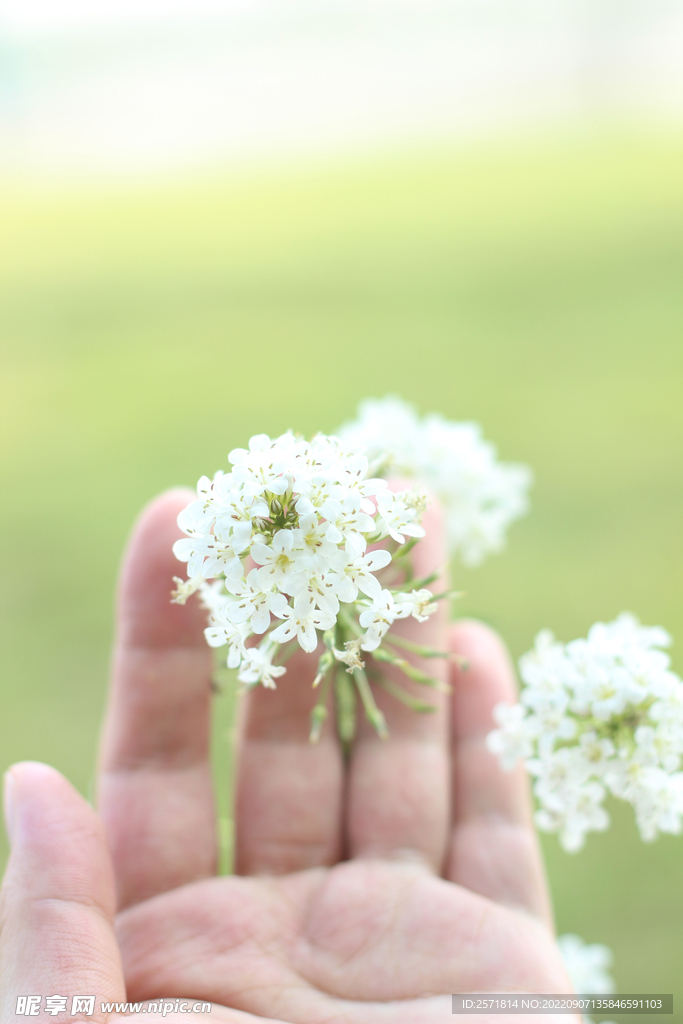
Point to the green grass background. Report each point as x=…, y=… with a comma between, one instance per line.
x=537, y=288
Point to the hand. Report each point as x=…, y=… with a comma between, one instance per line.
x=365, y=892
x=57, y=909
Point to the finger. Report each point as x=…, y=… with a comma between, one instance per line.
x=399, y=788
x=493, y=849
x=289, y=791
x=155, y=792
x=57, y=896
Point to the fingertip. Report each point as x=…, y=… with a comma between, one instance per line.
x=57, y=893
x=482, y=677
x=478, y=640
x=146, y=614
x=24, y=781
x=38, y=793
x=57, y=839
x=31, y=785
x=160, y=515
x=177, y=496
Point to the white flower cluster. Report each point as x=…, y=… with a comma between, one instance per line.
x=480, y=495
x=587, y=965
x=597, y=716
x=303, y=513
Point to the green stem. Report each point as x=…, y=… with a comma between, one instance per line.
x=448, y=595
x=325, y=663
x=319, y=712
x=285, y=653
x=406, y=698
x=375, y=716
x=345, y=697
x=421, y=677
x=417, y=584
x=405, y=550
x=350, y=623
x=419, y=649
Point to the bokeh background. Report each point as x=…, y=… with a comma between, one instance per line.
x=224, y=218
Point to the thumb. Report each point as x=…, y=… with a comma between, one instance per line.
x=57, y=899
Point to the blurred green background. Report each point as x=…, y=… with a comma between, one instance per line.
x=536, y=287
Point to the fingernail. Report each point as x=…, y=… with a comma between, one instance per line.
x=8, y=803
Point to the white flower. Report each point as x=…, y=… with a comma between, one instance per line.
x=480, y=495
x=265, y=466
x=658, y=801
x=207, y=557
x=354, y=572
x=396, y=519
x=185, y=588
x=238, y=512
x=257, y=666
x=582, y=814
x=314, y=538
x=587, y=965
x=254, y=605
x=348, y=519
x=284, y=556
x=377, y=619
x=350, y=656
x=314, y=590
x=228, y=633
x=513, y=739
x=418, y=604
x=595, y=752
x=302, y=627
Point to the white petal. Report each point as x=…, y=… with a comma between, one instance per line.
x=241, y=536
x=334, y=535
x=234, y=657
x=277, y=603
x=260, y=620
x=194, y=565
x=261, y=553
x=194, y=516
x=369, y=584
x=283, y=633
x=183, y=549
x=234, y=571
x=347, y=590
x=307, y=636
x=237, y=456
x=377, y=559
x=216, y=636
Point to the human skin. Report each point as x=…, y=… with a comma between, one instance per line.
x=367, y=888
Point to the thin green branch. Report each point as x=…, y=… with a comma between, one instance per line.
x=349, y=622
x=345, y=698
x=411, y=671
x=406, y=698
x=319, y=712
x=375, y=716
x=416, y=584
x=419, y=649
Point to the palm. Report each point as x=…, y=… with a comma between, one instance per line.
x=335, y=943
